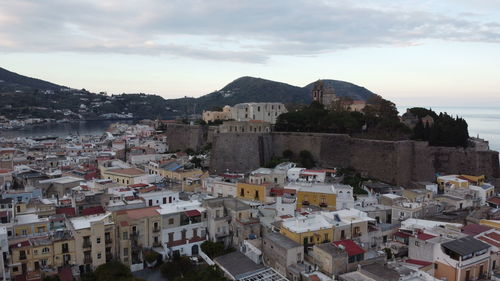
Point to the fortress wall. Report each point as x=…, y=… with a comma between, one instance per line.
x=394, y=162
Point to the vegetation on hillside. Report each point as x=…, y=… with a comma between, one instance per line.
x=445, y=131
x=378, y=121
x=110, y=271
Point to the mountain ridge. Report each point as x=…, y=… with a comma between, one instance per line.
x=242, y=89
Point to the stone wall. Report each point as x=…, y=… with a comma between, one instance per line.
x=394, y=162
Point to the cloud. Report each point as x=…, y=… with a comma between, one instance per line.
x=241, y=31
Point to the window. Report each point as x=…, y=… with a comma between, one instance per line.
x=45, y=250
x=171, y=221
x=99, y=255
x=43, y=262
x=125, y=252
x=24, y=232
x=15, y=269
x=417, y=244
x=125, y=235
x=35, y=252
x=98, y=240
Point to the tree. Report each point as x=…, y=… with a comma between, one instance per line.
x=288, y=154
x=178, y=267
x=204, y=273
x=111, y=271
x=306, y=159
x=212, y=249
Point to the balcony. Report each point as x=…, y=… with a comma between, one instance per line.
x=22, y=257
x=86, y=244
x=87, y=260
x=305, y=203
x=323, y=205
x=156, y=229
x=108, y=240
x=109, y=257
x=134, y=235
x=156, y=244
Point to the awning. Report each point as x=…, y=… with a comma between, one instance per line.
x=192, y=213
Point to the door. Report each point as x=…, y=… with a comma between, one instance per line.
x=194, y=250
x=467, y=275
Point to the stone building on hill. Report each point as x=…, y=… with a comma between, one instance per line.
x=324, y=95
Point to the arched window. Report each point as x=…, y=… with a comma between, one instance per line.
x=45, y=250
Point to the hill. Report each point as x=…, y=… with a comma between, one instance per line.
x=345, y=89
x=24, y=97
x=10, y=81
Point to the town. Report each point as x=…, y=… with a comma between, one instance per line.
x=70, y=205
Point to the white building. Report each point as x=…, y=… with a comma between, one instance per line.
x=184, y=227
x=158, y=198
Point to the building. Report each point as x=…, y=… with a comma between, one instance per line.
x=267, y=112
x=184, y=228
x=125, y=175
x=213, y=116
x=280, y=252
x=4, y=254
x=137, y=229
x=94, y=243
x=231, y=221
x=253, y=192
x=323, y=94
x=251, y=126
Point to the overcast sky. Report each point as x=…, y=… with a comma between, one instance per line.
x=409, y=51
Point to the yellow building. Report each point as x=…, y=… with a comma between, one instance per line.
x=137, y=229
x=310, y=230
x=94, y=243
x=30, y=224
x=49, y=253
x=462, y=181
x=491, y=223
x=249, y=191
x=124, y=176
x=321, y=198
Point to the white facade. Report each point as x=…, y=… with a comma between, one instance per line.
x=267, y=112
x=285, y=206
x=160, y=197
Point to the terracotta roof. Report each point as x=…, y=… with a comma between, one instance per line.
x=93, y=211
x=20, y=244
x=138, y=185
x=494, y=200
x=402, y=234
x=68, y=211
x=424, y=236
x=475, y=229
x=192, y=213
x=418, y=262
x=4, y=171
x=350, y=247
x=135, y=214
x=489, y=241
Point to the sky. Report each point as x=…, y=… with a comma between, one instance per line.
x=443, y=52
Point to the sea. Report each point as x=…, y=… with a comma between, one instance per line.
x=81, y=128
x=484, y=122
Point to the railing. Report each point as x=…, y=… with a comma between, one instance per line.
x=108, y=240
x=22, y=257
x=65, y=250
x=156, y=229
x=305, y=203
x=323, y=205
